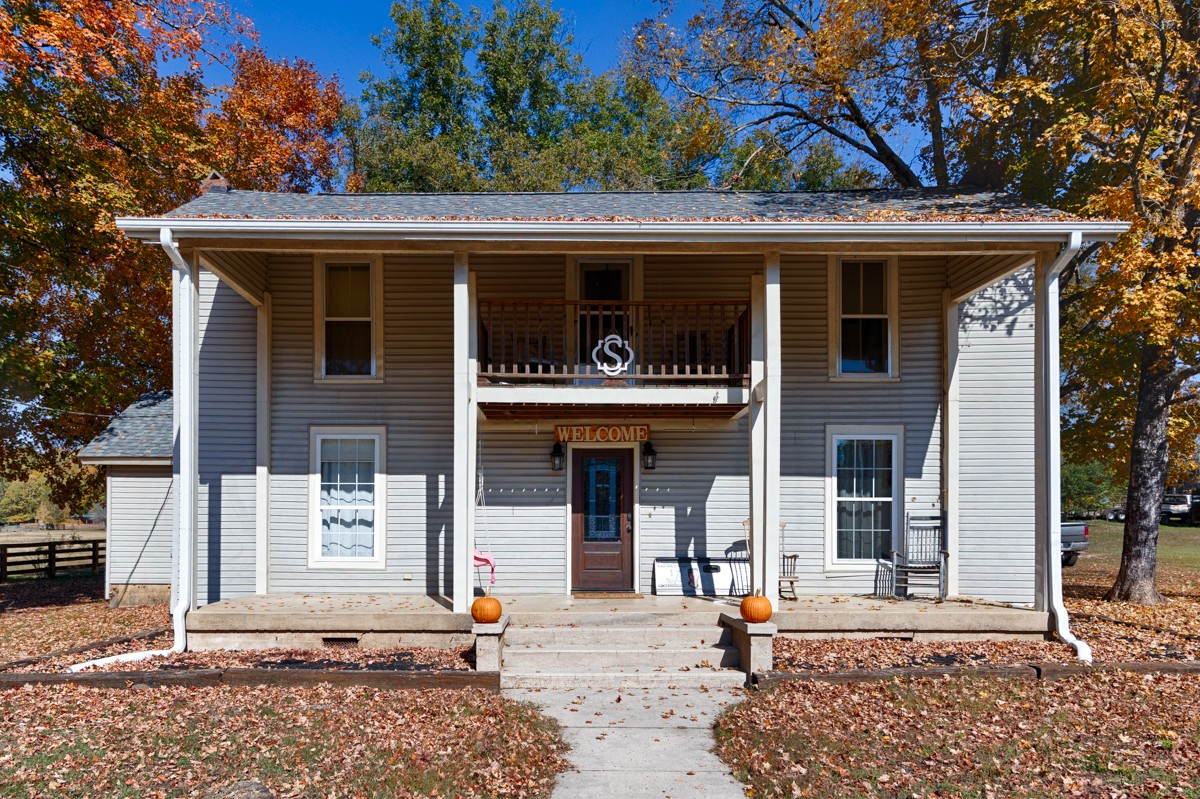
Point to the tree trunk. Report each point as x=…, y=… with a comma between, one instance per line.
x=1147, y=479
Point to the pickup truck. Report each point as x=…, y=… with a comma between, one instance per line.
x=1177, y=506
x=1074, y=541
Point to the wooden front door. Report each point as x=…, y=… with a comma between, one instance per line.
x=602, y=520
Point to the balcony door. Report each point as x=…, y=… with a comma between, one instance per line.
x=602, y=520
x=604, y=288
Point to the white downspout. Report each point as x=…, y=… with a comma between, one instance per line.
x=185, y=373
x=1053, y=449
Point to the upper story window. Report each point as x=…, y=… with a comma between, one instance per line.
x=863, y=318
x=348, y=310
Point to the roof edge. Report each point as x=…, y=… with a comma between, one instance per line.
x=124, y=460
x=148, y=228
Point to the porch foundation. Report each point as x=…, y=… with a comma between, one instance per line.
x=489, y=645
x=754, y=643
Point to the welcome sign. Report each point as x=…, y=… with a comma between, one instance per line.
x=601, y=433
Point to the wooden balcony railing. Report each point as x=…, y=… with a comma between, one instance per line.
x=625, y=343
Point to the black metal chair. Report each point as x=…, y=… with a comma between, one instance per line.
x=920, y=551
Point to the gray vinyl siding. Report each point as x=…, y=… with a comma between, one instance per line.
x=248, y=269
x=694, y=503
x=996, y=454
x=414, y=403
x=966, y=271
x=525, y=277
x=225, y=541
x=699, y=277
x=141, y=514
x=811, y=401
x=523, y=520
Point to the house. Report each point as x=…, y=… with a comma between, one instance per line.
x=135, y=450
x=371, y=388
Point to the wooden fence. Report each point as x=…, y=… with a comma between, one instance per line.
x=50, y=557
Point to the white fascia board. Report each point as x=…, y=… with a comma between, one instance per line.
x=148, y=229
x=103, y=460
x=612, y=395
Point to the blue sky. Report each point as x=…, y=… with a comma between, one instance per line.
x=336, y=36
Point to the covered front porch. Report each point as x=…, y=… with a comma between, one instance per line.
x=384, y=620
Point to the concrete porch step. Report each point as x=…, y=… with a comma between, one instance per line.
x=725, y=678
x=616, y=636
x=609, y=659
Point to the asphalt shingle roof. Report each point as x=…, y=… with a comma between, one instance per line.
x=667, y=206
x=143, y=430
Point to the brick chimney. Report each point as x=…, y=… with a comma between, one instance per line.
x=214, y=182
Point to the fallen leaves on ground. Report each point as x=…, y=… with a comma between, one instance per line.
x=411, y=658
x=1086, y=583
x=1111, y=734
x=68, y=741
x=44, y=616
x=841, y=654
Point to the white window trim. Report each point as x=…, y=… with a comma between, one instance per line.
x=834, y=314
x=320, y=262
x=315, y=559
x=868, y=431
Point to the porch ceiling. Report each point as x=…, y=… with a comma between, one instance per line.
x=530, y=412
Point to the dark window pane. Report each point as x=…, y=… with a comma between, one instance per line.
x=852, y=288
x=348, y=348
x=874, y=289
x=864, y=346
x=600, y=285
x=348, y=291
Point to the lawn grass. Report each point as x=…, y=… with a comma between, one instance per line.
x=67, y=741
x=1105, y=734
x=1178, y=543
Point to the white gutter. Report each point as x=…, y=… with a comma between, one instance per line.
x=757, y=233
x=1053, y=450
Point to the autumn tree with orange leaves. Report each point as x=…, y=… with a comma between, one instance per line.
x=105, y=110
x=1092, y=107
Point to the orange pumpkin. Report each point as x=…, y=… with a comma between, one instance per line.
x=756, y=609
x=486, y=610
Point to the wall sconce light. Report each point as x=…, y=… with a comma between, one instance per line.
x=558, y=457
x=649, y=457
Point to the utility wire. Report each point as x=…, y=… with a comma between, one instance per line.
x=35, y=406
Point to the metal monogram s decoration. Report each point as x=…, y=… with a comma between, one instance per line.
x=612, y=355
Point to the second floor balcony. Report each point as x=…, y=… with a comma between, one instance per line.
x=625, y=343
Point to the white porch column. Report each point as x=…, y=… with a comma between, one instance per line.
x=757, y=419
x=772, y=333
x=465, y=431
x=262, y=466
x=950, y=424
x=186, y=401
x=1048, y=561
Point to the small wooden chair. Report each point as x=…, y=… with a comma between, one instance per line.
x=787, y=575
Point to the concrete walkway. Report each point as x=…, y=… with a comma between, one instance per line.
x=639, y=742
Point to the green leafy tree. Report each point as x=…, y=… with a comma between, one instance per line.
x=23, y=498
x=526, y=115
x=1087, y=488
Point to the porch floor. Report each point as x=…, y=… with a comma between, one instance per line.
x=388, y=619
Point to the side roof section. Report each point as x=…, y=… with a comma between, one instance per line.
x=140, y=435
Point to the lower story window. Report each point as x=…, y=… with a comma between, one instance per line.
x=347, y=497
x=865, y=477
